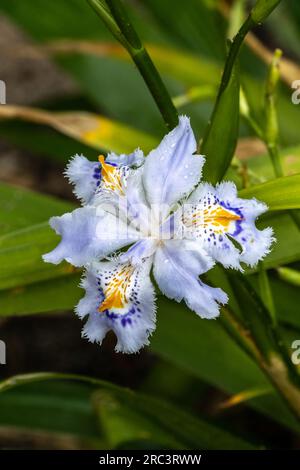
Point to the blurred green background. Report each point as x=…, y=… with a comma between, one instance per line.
x=194, y=387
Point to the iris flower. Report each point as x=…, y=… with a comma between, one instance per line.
x=150, y=216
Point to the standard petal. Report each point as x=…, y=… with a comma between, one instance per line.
x=88, y=234
x=177, y=266
x=216, y=216
x=171, y=170
x=119, y=297
x=85, y=176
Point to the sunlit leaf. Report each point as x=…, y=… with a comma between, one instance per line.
x=279, y=194
x=95, y=130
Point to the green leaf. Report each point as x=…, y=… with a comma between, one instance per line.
x=221, y=135
x=21, y=207
x=279, y=194
x=26, y=235
x=286, y=299
x=207, y=39
x=286, y=249
x=180, y=64
x=37, y=400
x=43, y=141
x=55, y=407
x=21, y=256
x=60, y=293
x=258, y=168
x=262, y=9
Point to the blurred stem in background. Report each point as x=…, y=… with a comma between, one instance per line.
x=289, y=275
x=261, y=10
x=260, y=338
x=117, y=21
x=270, y=132
x=270, y=137
x=221, y=134
x=271, y=129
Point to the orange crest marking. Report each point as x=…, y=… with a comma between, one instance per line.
x=111, y=176
x=216, y=217
x=220, y=218
x=115, y=292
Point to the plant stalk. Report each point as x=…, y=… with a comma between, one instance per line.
x=118, y=22
x=262, y=341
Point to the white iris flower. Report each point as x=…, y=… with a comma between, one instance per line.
x=144, y=214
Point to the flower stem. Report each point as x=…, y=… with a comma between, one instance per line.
x=118, y=22
x=276, y=367
x=102, y=10
x=271, y=129
x=233, y=53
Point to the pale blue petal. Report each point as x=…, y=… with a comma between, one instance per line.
x=85, y=176
x=177, y=266
x=171, y=170
x=139, y=251
x=88, y=234
x=133, y=205
x=132, y=324
x=134, y=159
x=216, y=236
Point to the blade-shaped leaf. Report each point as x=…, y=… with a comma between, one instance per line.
x=26, y=234
x=21, y=207
x=94, y=130
x=221, y=135
x=145, y=417
x=279, y=194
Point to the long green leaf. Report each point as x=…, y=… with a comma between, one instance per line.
x=27, y=401
x=221, y=136
x=279, y=194
x=21, y=207
x=25, y=236
x=88, y=128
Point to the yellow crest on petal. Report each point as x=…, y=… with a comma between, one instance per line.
x=111, y=176
x=115, y=292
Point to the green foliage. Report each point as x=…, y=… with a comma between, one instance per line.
x=105, y=414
